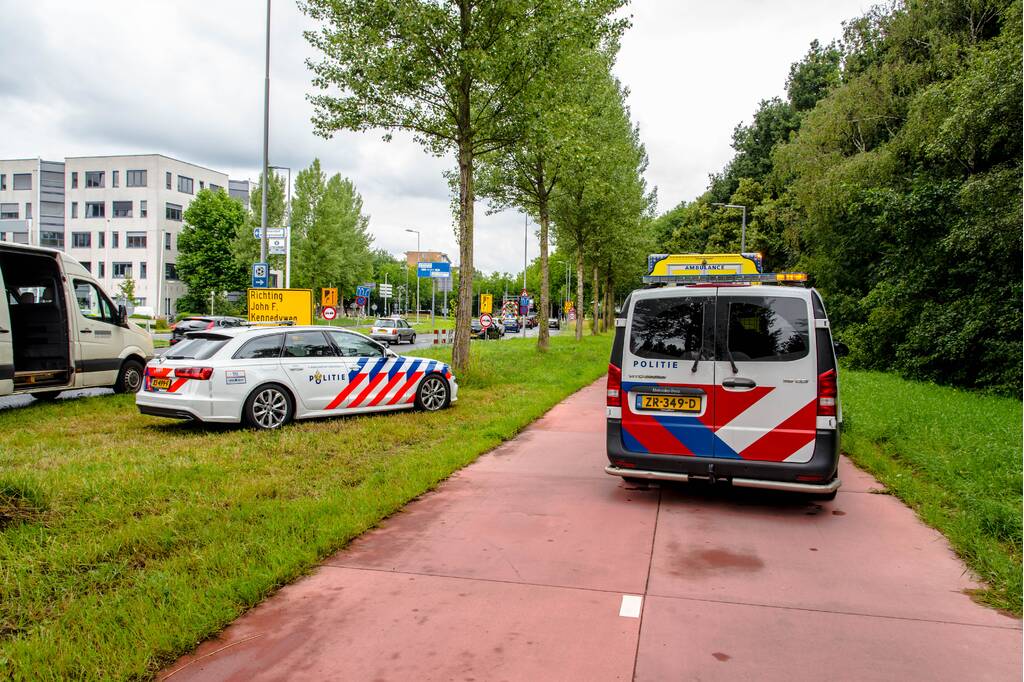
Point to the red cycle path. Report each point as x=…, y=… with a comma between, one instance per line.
x=528, y=565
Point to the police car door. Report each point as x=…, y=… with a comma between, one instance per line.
x=313, y=368
x=668, y=373
x=765, y=407
x=374, y=376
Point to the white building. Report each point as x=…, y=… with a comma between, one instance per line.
x=121, y=217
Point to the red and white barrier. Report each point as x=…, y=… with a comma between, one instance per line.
x=444, y=336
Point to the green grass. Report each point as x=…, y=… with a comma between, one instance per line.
x=126, y=540
x=955, y=457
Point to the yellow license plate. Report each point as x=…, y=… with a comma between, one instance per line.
x=161, y=384
x=671, y=403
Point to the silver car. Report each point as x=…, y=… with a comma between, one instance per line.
x=392, y=330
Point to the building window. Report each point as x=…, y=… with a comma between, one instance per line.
x=135, y=178
x=121, y=209
x=143, y=208
x=167, y=241
x=8, y=211
x=28, y=209
x=142, y=270
x=22, y=180
x=184, y=184
x=215, y=188
x=169, y=271
x=114, y=239
x=168, y=178
x=202, y=184
x=74, y=209
x=53, y=239
x=101, y=239
x=101, y=270
x=95, y=209
x=87, y=264
x=140, y=301
x=135, y=240
x=81, y=240
x=113, y=178
x=3, y=181
x=173, y=212
x=93, y=179
x=121, y=270
x=74, y=179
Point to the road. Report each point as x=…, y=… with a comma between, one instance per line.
x=532, y=564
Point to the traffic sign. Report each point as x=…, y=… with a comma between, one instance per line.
x=277, y=246
x=329, y=312
x=486, y=321
x=272, y=232
x=360, y=301
x=260, y=275
x=281, y=305
x=328, y=296
x=385, y=290
x=440, y=270
x=363, y=291
x=373, y=307
x=486, y=303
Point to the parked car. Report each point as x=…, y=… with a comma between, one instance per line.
x=531, y=321
x=554, y=323
x=267, y=376
x=477, y=331
x=202, y=323
x=511, y=325
x=392, y=330
x=60, y=330
x=736, y=384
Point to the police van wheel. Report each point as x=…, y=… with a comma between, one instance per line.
x=268, y=407
x=432, y=395
x=129, y=379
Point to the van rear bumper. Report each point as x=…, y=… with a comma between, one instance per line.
x=817, y=475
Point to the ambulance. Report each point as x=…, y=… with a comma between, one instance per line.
x=723, y=373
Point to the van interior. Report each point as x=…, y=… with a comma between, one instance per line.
x=39, y=320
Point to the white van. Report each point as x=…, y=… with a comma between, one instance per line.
x=725, y=377
x=59, y=330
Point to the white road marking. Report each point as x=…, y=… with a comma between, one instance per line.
x=631, y=604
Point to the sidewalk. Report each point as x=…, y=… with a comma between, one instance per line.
x=532, y=564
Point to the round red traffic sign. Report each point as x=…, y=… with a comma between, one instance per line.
x=360, y=300
x=486, y=321
x=329, y=312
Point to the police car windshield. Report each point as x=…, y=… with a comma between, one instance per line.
x=384, y=323
x=197, y=348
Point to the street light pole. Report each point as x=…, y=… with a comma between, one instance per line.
x=266, y=145
x=288, y=233
x=743, y=229
x=417, y=272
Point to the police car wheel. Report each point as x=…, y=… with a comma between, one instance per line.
x=432, y=395
x=268, y=407
x=129, y=379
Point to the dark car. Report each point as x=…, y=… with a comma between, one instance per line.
x=477, y=331
x=531, y=321
x=511, y=325
x=202, y=323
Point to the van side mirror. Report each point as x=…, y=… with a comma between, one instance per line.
x=842, y=350
x=122, y=315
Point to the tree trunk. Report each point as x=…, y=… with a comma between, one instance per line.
x=597, y=308
x=464, y=311
x=545, y=293
x=580, y=306
x=609, y=313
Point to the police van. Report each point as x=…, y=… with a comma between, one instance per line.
x=721, y=372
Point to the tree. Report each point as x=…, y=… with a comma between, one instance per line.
x=206, y=262
x=451, y=72
x=127, y=290
x=330, y=243
x=813, y=78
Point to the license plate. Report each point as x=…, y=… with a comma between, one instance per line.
x=159, y=384
x=670, y=403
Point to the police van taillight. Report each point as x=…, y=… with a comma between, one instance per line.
x=614, y=386
x=201, y=373
x=828, y=392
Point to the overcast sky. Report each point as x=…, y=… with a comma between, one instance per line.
x=185, y=79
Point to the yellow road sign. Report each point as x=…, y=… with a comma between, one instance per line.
x=486, y=303
x=329, y=297
x=281, y=305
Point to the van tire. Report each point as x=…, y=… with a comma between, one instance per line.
x=129, y=379
x=46, y=396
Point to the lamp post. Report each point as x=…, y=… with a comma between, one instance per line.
x=288, y=232
x=417, y=272
x=743, y=230
x=266, y=144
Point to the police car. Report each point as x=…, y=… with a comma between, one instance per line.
x=720, y=372
x=267, y=376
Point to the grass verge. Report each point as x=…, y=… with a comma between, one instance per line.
x=955, y=457
x=131, y=539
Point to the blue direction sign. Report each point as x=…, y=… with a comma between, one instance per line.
x=439, y=270
x=260, y=275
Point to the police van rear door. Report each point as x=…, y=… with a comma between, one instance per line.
x=668, y=372
x=766, y=400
